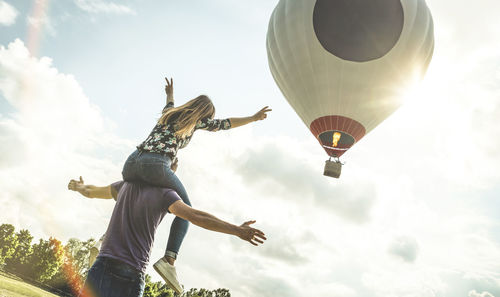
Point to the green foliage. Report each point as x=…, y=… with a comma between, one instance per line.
x=8, y=242
x=157, y=289
x=207, y=293
x=71, y=274
x=77, y=252
x=46, y=259
x=18, y=261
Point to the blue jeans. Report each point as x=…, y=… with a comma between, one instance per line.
x=154, y=169
x=112, y=278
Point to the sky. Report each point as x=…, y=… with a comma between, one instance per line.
x=82, y=83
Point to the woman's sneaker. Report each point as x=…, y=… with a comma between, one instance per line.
x=167, y=272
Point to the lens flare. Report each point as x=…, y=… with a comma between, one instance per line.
x=37, y=20
x=74, y=279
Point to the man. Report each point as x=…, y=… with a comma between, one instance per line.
x=119, y=270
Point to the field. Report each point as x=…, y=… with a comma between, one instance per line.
x=10, y=287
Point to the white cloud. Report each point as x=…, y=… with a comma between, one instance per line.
x=101, y=6
x=8, y=14
x=473, y=293
x=50, y=138
x=277, y=166
x=404, y=247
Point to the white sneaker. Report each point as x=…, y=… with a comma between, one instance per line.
x=167, y=272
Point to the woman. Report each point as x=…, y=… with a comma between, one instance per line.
x=155, y=159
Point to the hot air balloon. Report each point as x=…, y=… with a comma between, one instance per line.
x=342, y=64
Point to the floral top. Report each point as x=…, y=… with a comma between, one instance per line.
x=162, y=139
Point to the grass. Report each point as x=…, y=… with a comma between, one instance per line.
x=10, y=287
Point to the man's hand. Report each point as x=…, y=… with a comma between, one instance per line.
x=80, y=187
x=261, y=114
x=169, y=88
x=254, y=236
x=91, y=191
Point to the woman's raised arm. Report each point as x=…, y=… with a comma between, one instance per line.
x=260, y=115
x=169, y=89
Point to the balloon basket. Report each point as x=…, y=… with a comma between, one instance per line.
x=333, y=168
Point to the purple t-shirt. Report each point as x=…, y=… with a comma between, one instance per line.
x=138, y=211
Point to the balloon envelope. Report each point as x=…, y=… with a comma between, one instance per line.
x=342, y=64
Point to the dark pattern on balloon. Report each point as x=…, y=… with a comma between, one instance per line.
x=358, y=30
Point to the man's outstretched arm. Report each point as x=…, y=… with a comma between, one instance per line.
x=210, y=222
x=90, y=191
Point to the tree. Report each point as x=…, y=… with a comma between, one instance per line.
x=77, y=252
x=207, y=293
x=157, y=289
x=71, y=274
x=8, y=242
x=18, y=261
x=46, y=259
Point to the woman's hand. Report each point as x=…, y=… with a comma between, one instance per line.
x=169, y=88
x=261, y=114
x=174, y=164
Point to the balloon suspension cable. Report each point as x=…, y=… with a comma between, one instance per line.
x=336, y=159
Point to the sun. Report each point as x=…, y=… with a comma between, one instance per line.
x=422, y=88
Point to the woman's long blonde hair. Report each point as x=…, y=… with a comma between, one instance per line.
x=185, y=117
